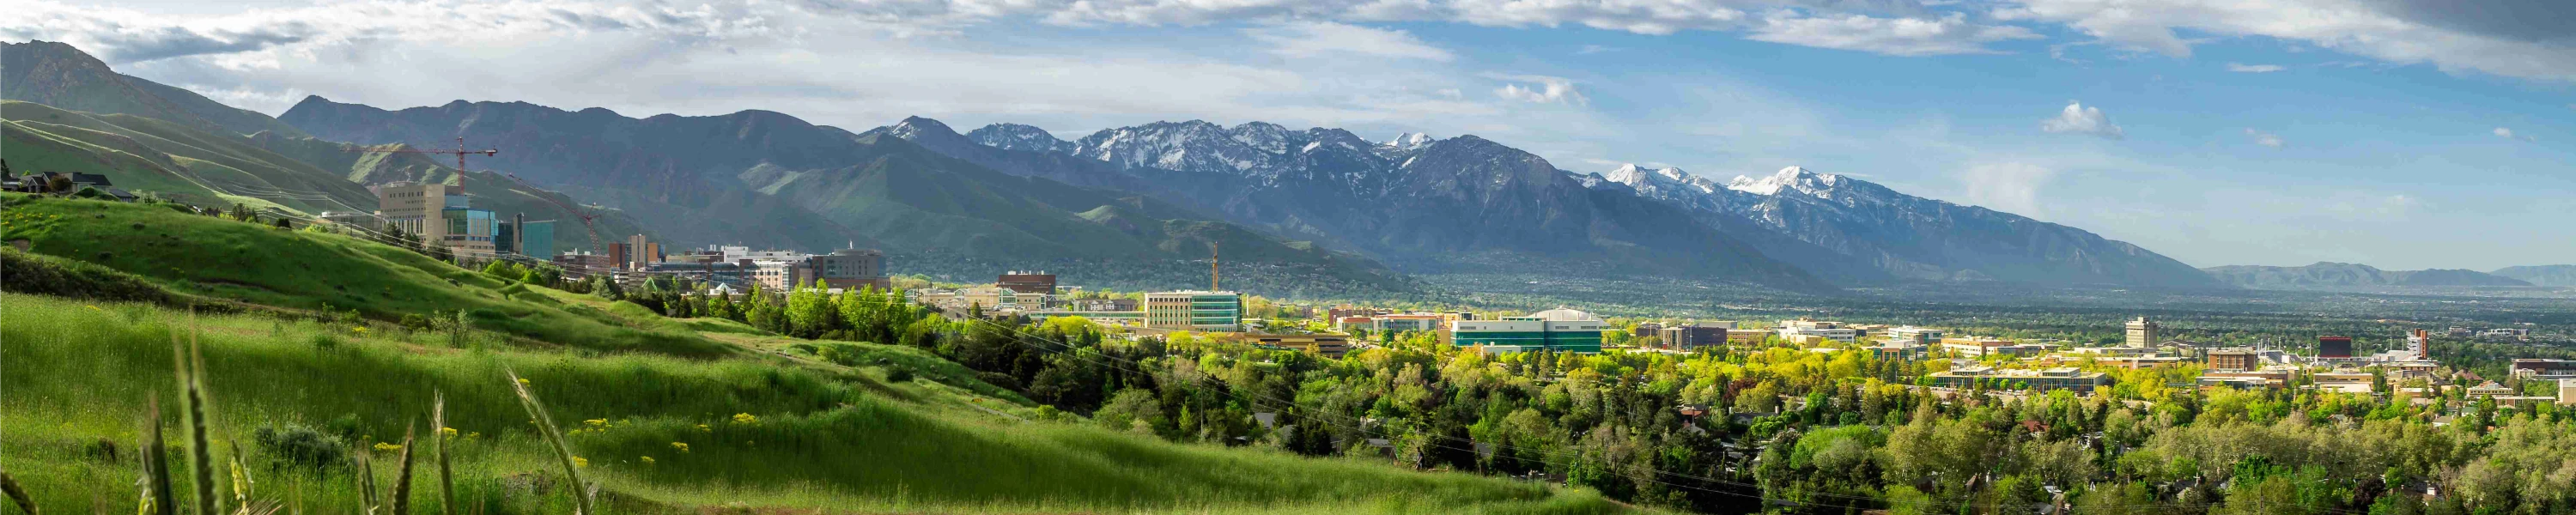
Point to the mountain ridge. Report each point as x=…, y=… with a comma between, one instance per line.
x=2327, y=274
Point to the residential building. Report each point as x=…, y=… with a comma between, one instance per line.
x=1327, y=345
x=1688, y=336
x=2060, y=378
x=2490, y=389
x=855, y=268
x=2143, y=333
x=1561, y=330
x=2234, y=359
x=1914, y=335
x=1220, y=311
x=1038, y=282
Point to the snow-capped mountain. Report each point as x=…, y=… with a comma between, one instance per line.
x=1416, y=201
x=1012, y=136
x=1910, y=237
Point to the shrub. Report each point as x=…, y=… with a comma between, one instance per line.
x=300, y=446
x=899, y=375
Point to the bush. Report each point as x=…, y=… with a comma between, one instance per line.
x=22, y=272
x=300, y=446
x=898, y=375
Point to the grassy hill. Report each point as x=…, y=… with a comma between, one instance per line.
x=56, y=74
x=757, y=431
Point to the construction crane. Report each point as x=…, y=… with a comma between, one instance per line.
x=588, y=221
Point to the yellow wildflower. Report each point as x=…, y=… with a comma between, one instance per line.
x=745, y=418
x=523, y=381
x=578, y=461
x=683, y=447
x=449, y=431
x=648, y=460
x=387, y=447
x=596, y=422
x=702, y=428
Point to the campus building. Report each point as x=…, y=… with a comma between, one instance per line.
x=1193, y=310
x=1327, y=345
x=1561, y=330
x=2061, y=378
x=437, y=214
x=1914, y=335
x=855, y=268
x=2144, y=333
x=1040, y=282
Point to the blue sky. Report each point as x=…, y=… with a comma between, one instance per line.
x=2399, y=133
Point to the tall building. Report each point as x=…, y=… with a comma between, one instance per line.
x=853, y=268
x=1562, y=330
x=1220, y=311
x=2420, y=344
x=641, y=252
x=1027, y=282
x=413, y=209
x=2144, y=333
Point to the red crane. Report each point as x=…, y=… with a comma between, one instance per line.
x=461, y=152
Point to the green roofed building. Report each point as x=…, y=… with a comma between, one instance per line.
x=1560, y=330
x=1214, y=311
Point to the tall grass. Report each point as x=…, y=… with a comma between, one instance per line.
x=760, y=432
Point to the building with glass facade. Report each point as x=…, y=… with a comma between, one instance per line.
x=469, y=231
x=1218, y=311
x=1560, y=330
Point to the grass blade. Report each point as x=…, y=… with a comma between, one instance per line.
x=9, y=485
x=438, y=442
x=201, y=459
x=156, y=462
x=402, y=478
x=366, y=483
x=546, y=425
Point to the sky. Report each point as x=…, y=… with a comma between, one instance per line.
x=2404, y=134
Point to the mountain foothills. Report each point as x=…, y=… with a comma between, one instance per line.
x=2543, y=275
x=2350, y=275
x=61, y=76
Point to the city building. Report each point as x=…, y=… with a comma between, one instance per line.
x=2420, y=345
x=437, y=214
x=1327, y=345
x=2543, y=368
x=1896, y=350
x=2334, y=347
x=581, y=265
x=2235, y=359
x=518, y=235
x=1915, y=335
x=1689, y=336
x=1347, y=311
x=1100, y=305
x=734, y=275
x=640, y=252
x=858, y=268
x=1347, y=324
x=2567, y=391
x=773, y=276
x=2143, y=333
x=1811, y=330
x=2259, y=378
x=2060, y=378
x=1218, y=311
x=1981, y=346
x=1645, y=329
x=1027, y=282
x=1406, y=322
x=1561, y=330
x=2346, y=382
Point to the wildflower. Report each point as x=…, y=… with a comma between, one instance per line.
x=596, y=422
x=92, y=308
x=648, y=460
x=387, y=447
x=578, y=461
x=523, y=381
x=702, y=428
x=745, y=418
x=448, y=431
x=683, y=447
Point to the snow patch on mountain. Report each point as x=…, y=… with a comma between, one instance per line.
x=1012, y=136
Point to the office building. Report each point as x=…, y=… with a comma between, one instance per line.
x=1218, y=311
x=520, y=236
x=414, y=208
x=1327, y=345
x=2334, y=347
x=1561, y=330
x=2419, y=344
x=2234, y=359
x=856, y=268
x=2543, y=368
x=640, y=252
x=1027, y=282
x=2567, y=391
x=2143, y=333
x=1914, y=335
x=1810, y=330
x=1645, y=329
x=1980, y=346
x=2061, y=378
x=1408, y=322
x=1692, y=335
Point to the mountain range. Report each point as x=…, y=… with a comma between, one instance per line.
x=2543, y=275
x=2348, y=275
x=1320, y=200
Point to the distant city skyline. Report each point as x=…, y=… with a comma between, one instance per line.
x=2399, y=134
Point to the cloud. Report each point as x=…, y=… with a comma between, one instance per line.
x=2505, y=133
x=1594, y=49
x=2263, y=138
x=2254, y=68
x=2011, y=187
x=2077, y=119
x=1308, y=39
x=2530, y=39
x=1950, y=34
x=1539, y=89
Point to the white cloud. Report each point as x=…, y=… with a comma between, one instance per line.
x=1950, y=34
x=2011, y=187
x=1307, y=39
x=2521, y=40
x=2504, y=132
x=2254, y=68
x=2263, y=138
x=1539, y=89
x=2077, y=119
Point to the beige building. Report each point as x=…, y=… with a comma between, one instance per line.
x=1213, y=311
x=437, y=214
x=2144, y=333
x=1327, y=345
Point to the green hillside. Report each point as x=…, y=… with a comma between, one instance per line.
x=739, y=431
x=145, y=154
x=56, y=74
x=306, y=271
x=493, y=191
